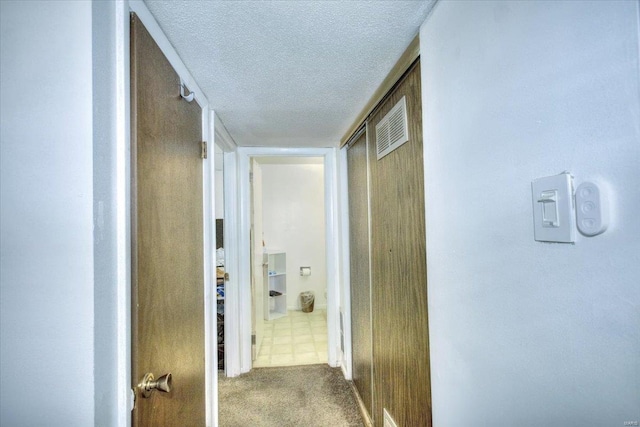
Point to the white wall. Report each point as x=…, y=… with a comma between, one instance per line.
x=219, y=193
x=46, y=270
x=293, y=220
x=527, y=333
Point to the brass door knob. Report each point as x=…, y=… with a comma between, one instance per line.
x=148, y=384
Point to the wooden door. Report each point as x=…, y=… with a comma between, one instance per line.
x=360, y=266
x=167, y=240
x=401, y=372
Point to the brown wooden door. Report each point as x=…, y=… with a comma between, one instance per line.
x=401, y=373
x=167, y=240
x=360, y=271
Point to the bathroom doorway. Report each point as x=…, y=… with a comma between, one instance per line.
x=287, y=209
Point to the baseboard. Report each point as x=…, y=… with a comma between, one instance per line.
x=315, y=307
x=363, y=409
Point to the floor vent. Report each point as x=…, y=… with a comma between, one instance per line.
x=388, y=421
x=392, y=131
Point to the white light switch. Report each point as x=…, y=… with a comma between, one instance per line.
x=553, y=210
x=549, y=200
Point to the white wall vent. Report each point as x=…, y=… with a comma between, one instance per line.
x=388, y=421
x=393, y=130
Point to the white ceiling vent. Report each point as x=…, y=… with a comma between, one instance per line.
x=392, y=131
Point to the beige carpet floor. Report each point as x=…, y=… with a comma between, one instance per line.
x=292, y=396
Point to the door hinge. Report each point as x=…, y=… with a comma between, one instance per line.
x=250, y=177
x=226, y=277
x=203, y=153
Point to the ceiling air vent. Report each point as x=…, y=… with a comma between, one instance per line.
x=392, y=131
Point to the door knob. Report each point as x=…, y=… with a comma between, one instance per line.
x=148, y=384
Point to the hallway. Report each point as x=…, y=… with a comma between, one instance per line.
x=309, y=396
x=510, y=330
x=297, y=339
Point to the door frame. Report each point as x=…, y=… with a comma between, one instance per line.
x=122, y=173
x=238, y=309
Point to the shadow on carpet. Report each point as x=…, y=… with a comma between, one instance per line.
x=292, y=396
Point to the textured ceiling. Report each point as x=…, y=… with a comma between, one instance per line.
x=289, y=73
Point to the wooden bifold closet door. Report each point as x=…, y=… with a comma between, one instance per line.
x=390, y=333
x=359, y=267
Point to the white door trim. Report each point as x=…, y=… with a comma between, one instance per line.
x=345, y=270
x=224, y=141
x=231, y=332
x=123, y=215
x=240, y=320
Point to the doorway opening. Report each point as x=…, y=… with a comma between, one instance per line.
x=219, y=257
x=288, y=261
x=238, y=303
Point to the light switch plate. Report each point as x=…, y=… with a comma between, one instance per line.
x=553, y=209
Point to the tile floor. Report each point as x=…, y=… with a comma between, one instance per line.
x=296, y=339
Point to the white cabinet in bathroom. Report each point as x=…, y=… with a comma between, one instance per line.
x=275, y=283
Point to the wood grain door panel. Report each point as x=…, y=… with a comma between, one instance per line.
x=167, y=239
x=359, y=267
x=399, y=270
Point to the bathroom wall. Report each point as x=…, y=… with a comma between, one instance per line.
x=294, y=221
x=527, y=333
